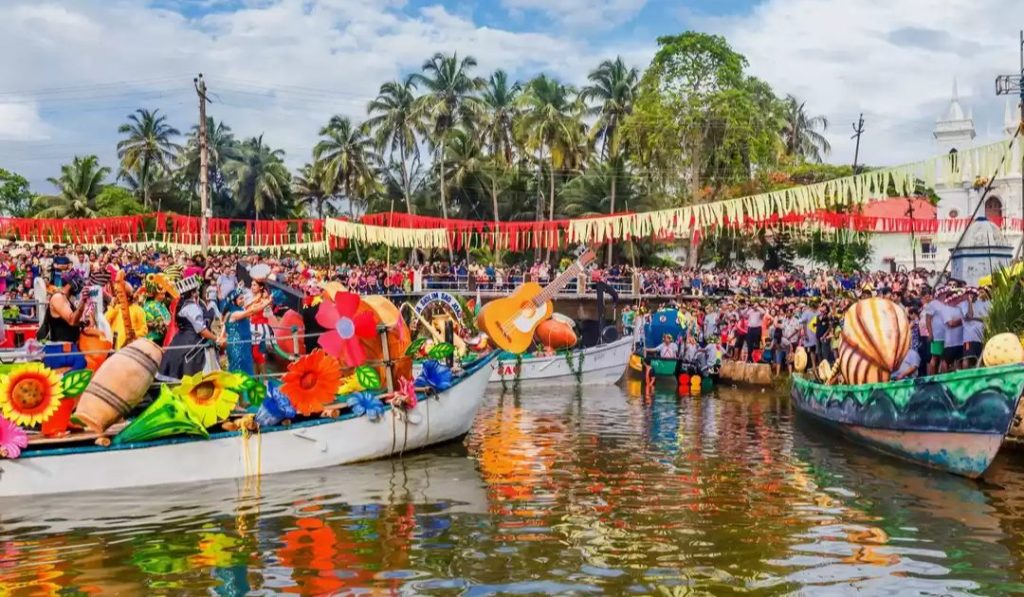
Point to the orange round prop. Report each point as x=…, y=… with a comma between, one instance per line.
x=95, y=347
x=857, y=369
x=556, y=334
x=879, y=331
x=285, y=337
x=385, y=312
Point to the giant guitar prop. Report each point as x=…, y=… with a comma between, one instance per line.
x=510, y=322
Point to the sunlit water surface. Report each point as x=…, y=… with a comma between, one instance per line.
x=599, y=491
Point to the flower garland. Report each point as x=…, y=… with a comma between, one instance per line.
x=577, y=371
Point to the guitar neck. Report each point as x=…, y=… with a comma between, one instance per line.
x=557, y=284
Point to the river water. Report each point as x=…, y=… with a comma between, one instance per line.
x=569, y=492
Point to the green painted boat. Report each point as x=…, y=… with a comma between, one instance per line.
x=954, y=422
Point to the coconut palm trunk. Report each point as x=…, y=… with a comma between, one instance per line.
x=551, y=204
x=497, y=219
x=611, y=211
x=444, y=201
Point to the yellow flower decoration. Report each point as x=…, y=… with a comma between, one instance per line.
x=30, y=394
x=209, y=397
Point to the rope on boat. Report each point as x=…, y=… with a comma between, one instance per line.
x=253, y=471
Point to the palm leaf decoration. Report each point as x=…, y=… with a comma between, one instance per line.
x=441, y=350
x=415, y=347
x=368, y=377
x=1007, y=311
x=74, y=382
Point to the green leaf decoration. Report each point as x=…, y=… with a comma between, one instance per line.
x=167, y=416
x=415, y=347
x=74, y=382
x=252, y=390
x=368, y=377
x=441, y=350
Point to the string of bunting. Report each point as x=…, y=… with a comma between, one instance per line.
x=822, y=204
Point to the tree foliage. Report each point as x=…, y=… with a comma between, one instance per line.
x=449, y=140
x=15, y=195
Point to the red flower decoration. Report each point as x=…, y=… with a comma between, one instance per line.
x=344, y=328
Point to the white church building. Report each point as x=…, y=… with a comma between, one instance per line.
x=954, y=132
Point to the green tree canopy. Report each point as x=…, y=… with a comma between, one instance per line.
x=15, y=195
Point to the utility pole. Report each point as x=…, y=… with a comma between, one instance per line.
x=1014, y=85
x=204, y=166
x=913, y=236
x=858, y=130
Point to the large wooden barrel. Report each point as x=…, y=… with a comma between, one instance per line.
x=119, y=385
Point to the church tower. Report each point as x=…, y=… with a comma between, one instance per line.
x=954, y=132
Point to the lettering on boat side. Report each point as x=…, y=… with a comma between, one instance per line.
x=447, y=299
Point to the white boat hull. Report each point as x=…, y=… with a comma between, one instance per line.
x=309, y=445
x=602, y=365
x=422, y=479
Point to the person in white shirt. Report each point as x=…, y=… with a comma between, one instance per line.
x=668, y=349
x=934, y=323
x=974, y=312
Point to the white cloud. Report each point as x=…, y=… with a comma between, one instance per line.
x=279, y=67
x=602, y=14
x=20, y=121
x=894, y=60
x=282, y=67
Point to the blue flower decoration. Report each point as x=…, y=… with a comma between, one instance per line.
x=365, y=403
x=275, y=407
x=435, y=375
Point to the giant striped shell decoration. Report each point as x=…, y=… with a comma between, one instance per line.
x=856, y=369
x=878, y=330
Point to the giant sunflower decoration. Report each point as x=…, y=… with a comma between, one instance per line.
x=312, y=382
x=30, y=394
x=209, y=397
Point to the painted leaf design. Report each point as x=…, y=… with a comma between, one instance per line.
x=74, y=382
x=415, y=347
x=441, y=350
x=368, y=377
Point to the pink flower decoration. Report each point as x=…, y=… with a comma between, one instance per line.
x=345, y=326
x=12, y=439
x=405, y=397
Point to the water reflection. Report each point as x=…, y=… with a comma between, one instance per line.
x=602, y=490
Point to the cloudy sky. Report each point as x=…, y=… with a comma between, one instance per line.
x=73, y=69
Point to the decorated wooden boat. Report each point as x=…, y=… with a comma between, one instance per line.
x=598, y=365
x=953, y=422
x=304, y=445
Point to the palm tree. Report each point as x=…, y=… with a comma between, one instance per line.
x=79, y=184
x=614, y=87
x=312, y=188
x=348, y=157
x=221, y=147
x=498, y=106
x=147, y=148
x=259, y=177
x=551, y=121
x=449, y=101
x=799, y=132
x=394, y=123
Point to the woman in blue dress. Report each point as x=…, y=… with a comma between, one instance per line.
x=239, y=333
